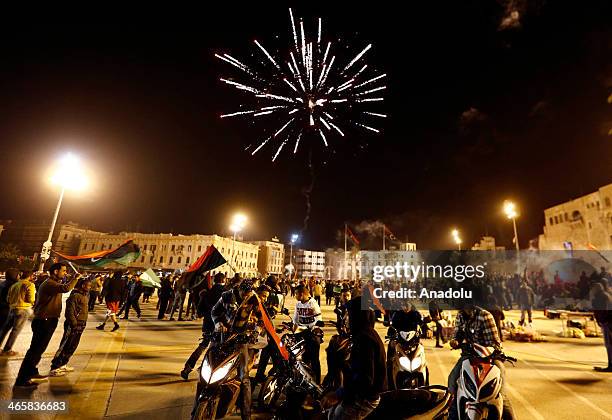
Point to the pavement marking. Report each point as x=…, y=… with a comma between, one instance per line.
x=526, y=404
x=569, y=390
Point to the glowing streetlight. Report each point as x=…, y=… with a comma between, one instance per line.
x=294, y=238
x=511, y=213
x=69, y=175
x=238, y=223
x=456, y=238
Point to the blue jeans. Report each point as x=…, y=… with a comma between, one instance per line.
x=14, y=323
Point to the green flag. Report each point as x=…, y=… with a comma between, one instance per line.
x=150, y=279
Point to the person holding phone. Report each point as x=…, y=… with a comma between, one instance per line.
x=47, y=310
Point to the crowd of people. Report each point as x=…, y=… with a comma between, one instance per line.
x=220, y=303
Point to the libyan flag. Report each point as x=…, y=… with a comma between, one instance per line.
x=209, y=260
x=150, y=279
x=124, y=254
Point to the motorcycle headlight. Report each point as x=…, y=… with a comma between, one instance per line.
x=405, y=363
x=416, y=363
x=220, y=373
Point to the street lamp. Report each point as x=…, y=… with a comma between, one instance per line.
x=68, y=174
x=238, y=222
x=294, y=239
x=456, y=238
x=511, y=213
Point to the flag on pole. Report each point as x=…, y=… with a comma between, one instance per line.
x=124, y=254
x=351, y=235
x=209, y=260
x=594, y=248
x=150, y=279
x=389, y=233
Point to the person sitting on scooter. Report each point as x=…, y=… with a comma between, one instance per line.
x=208, y=298
x=232, y=314
x=476, y=325
x=367, y=374
x=408, y=319
x=307, y=314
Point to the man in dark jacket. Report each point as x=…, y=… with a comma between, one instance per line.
x=208, y=299
x=113, y=291
x=134, y=292
x=47, y=310
x=436, y=315
x=165, y=292
x=525, y=299
x=367, y=376
x=74, y=325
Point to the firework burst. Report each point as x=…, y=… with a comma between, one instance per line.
x=309, y=93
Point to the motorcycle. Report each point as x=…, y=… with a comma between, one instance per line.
x=219, y=379
x=479, y=384
x=290, y=385
x=409, y=365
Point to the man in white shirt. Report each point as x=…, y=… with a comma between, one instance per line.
x=307, y=314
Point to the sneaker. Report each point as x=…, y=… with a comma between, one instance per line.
x=185, y=374
x=26, y=384
x=38, y=378
x=9, y=353
x=100, y=327
x=57, y=372
x=67, y=368
x=603, y=369
x=115, y=328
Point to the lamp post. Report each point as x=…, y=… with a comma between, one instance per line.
x=456, y=238
x=238, y=223
x=68, y=174
x=512, y=214
x=294, y=239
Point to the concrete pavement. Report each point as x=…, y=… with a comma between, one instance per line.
x=133, y=373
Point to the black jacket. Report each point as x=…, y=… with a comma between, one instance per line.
x=367, y=368
x=406, y=321
x=208, y=299
x=113, y=288
x=166, y=288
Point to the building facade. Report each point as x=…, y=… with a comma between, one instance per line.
x=29, y=236
x=359, y=265
x=165, y=251
x=307, y=263
x=271, y=257
x=487, y=243
x=580, y=223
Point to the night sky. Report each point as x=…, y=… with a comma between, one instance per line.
x=482, y=106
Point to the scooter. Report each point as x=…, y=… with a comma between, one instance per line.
x=219, y=379
x=426, y=403
x=479, y=384
x=409, y=365
x=291, y=382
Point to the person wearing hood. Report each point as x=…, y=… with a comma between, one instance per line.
x=367, y=368
x=76, y=313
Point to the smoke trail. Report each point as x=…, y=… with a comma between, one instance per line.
x=307, y=190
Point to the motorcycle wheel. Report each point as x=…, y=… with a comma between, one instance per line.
x=269, y=393
x=206, y=410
